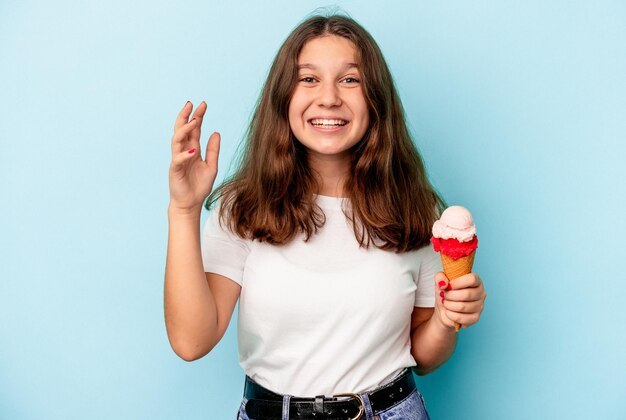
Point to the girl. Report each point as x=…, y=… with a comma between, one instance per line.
x=322, y=234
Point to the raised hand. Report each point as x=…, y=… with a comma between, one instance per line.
x=191, y=178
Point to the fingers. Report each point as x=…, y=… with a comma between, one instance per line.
x=467, y=280
x=464, y=319
x=463, y=307
x=461, y=299
x=179, y=159
x=464, y=295
x=179, y=140
x=183, y=115
x=187, y=131
x=212, y=154
x=441, y=280
x=467, y=287
x=194, y=135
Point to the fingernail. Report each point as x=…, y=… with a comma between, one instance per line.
x=441, y=294
x=449, y=287
x=191, y=151
x=186, y=103
x=442, y=283
x=442, y=300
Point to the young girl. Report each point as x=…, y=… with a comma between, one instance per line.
x=323, y=236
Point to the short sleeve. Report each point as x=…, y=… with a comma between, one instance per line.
x=430, y=264
x=223, y=252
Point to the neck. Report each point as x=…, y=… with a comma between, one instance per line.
x=332, y=172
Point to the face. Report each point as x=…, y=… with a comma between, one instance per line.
x=328, y=112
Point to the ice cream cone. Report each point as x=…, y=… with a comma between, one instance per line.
x=456, y=268
x=454, y=237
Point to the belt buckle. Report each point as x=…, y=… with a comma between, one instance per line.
x=359, y=399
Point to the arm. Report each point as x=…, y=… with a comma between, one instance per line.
x=198, y=305
x=433, y=337
x=432, y=343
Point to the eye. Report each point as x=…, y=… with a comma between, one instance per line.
x=307, y=79
x=351, y=80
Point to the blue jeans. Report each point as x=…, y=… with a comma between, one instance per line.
x=410, y=408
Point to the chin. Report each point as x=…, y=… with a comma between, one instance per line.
x=327, y=149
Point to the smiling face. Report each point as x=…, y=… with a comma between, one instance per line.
x=328, y=111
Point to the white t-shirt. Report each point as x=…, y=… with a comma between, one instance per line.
x=324, y=316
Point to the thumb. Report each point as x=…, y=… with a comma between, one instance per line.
x=213, y=150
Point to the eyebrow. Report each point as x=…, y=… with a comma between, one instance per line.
x=313, y=67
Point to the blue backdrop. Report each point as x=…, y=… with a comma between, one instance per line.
x=519, y=109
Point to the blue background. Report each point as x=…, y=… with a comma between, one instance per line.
x=519, y=109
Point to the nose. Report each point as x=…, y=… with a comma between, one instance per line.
x=329, y=95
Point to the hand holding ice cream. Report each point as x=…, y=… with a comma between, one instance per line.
x=454, y=237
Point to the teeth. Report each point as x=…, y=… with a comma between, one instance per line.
x=330, y=123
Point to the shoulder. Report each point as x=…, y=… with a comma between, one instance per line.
x=424, y=255
x=218, y=226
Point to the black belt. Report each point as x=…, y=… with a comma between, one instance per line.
x=264, y=404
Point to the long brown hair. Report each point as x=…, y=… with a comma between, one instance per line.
x=270, y=197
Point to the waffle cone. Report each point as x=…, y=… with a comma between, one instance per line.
x=457, y=268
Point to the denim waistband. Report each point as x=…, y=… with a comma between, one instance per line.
x=265, y=404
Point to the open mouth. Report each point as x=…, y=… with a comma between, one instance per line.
x=330, y=123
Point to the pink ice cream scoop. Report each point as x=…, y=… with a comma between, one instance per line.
x=455, y=222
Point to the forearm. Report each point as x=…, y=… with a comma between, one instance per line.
x=190, y=310
x=432, y=343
